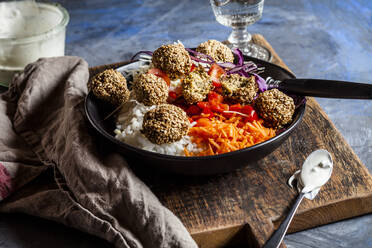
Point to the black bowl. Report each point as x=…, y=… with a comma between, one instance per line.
x=96, y=111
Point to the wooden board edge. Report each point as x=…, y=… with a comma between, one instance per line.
x=340, y=210
x=220, y=237
x=233, y=236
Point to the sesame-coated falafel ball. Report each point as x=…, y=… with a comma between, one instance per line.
x=196, y=85
x=150, y=89
x=238, y=88
x=275, y=107
x=217, y=50
x=111, y=86
x=173, y=59
x=165, y=124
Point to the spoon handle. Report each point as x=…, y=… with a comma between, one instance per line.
x=279, y=234
x=323, y=88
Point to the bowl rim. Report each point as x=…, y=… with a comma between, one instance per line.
x=300, y=112
x=42, y=36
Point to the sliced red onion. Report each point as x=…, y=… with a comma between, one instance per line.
x=141, y=52
x=240, y=56
x=250, y=66
x=210, y=60
x=245, y=70
x=241, y=73
x=262, y=85
x=227, y=65
x=201, y=60
x=195, y=53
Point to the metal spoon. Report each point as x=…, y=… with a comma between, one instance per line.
x=305, y=191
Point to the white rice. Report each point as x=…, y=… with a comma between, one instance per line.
x=130, y=118
x=128, y=130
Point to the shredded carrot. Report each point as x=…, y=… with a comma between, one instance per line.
x=214, y=143
x=187, y=153
x=221, y=135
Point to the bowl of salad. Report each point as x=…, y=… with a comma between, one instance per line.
x=193, y=111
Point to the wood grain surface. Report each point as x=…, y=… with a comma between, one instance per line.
x=243, y=207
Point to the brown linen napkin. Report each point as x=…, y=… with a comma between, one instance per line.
x=51, y=166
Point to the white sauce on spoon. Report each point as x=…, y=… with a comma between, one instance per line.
x=316, y=170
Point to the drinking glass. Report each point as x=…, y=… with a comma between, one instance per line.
x=238, y=14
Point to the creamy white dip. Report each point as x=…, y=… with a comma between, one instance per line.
x=316, y=170
x=29, y=31
x=26, y=18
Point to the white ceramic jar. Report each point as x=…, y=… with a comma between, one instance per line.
x=28, y=31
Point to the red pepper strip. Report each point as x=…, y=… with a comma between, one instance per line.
x=214, y=98
x=236, y=107
x=249, y=110
x=216, y=71
x=193, y=67
x=203, y=105
x=172, y=94
x=220, y=107
x=217, y=85
x=193, y=110
x=208, y=112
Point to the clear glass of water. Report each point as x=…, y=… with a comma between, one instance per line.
x=238, y=14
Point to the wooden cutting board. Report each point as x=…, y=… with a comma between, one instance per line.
x=244, y=207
